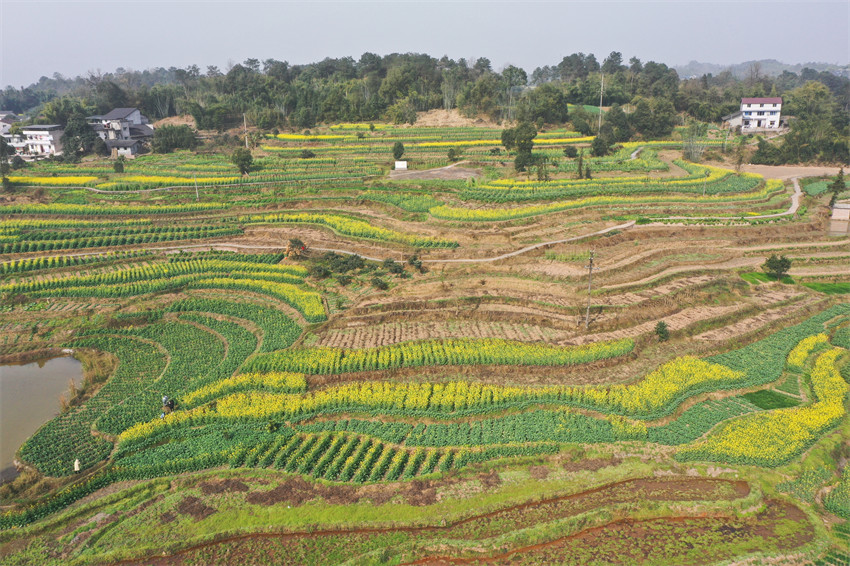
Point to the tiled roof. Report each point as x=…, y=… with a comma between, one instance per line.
x=761, y=101
x=118, y=113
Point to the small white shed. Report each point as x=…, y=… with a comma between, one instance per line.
x=401, y=165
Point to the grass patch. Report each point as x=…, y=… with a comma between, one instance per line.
x=830, y=288
x=768, y=399
x=756, y=278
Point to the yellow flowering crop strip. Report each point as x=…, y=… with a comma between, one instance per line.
x=668, y=384
x=310, y=137
x=501, y=214
x=279, y=281
x=797, y=357
x=357, y=126
x=324, y=361
x=69, y=181
x=459, y=143
x=650, y=397
x=773, y=437
x=346, y=226
x=14, y=225
x=544, y=141
x=164, y=181
x=110, y=209
x=285, y=382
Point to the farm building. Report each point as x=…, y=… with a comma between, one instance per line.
x=122, y=124
x=41, y=140
x=756, y=114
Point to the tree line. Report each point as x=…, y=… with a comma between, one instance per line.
x=273, y=94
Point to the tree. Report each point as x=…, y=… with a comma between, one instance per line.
x=79, y=137
x=777, y=266
x=618, y=122
x=694, y=141
x=837, y=187
x=243, y=159
x=581, y=122
x=118, y=166
x=520, y=138
x=168, y=138
x=5, y=151
x=453, y=154
x=599, y=146
x=662, y=331
x=740, y=154
x=398, y=150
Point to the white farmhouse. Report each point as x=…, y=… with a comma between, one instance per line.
x=761, y=113
x=43, y=140
x=756, y=114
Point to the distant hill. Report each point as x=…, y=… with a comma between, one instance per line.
x=769, y=67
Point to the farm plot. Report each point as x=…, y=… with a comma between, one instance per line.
x=357, y=384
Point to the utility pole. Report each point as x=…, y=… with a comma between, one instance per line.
x=601, y=90
x=589, y=286
x=245, y=126
x=197, y=196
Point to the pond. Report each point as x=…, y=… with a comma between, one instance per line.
x=29, y=397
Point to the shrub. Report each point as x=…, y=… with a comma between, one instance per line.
x=398, y=150
x=662, y=331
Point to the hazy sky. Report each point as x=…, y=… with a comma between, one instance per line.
x=72, y=37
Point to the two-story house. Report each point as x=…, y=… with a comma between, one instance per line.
x=756, y=114
x=123, y=130
x=41, y=140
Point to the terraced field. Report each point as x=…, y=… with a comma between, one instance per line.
x=429, y=381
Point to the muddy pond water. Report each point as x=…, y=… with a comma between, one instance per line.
x=29, y=397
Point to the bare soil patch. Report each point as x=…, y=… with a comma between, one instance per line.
x=590, y=464
x=785, y=172
x=183, y=120
x=222, y=486
x=490, y=480
x=449, y=173
x=298, y=491
x=539, y=472
x=194, y=507
x=439, y=118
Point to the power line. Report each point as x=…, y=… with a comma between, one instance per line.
x=601, y=90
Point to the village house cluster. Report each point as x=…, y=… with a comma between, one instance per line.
x=124, y=130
